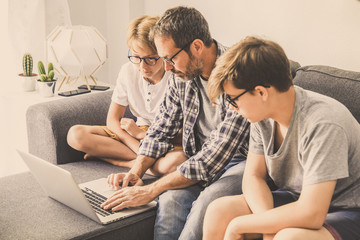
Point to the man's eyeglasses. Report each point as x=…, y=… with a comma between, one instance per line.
x=170, y=60
x=232, y=100
x=151, y=61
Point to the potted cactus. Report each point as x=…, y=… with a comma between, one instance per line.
x=46, y=82
x=28, y=78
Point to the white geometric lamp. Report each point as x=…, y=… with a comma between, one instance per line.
x=76, y=52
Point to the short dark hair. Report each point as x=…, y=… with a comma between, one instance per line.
x=250, y=63
x=183, y=24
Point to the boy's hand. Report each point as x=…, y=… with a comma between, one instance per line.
x=130, y=127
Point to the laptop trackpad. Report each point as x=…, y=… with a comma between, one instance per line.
x=100, y=186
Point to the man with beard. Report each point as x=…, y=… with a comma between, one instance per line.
x=215, y=139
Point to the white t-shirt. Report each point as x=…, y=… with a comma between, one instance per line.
x=321, y=144
x=142, y=97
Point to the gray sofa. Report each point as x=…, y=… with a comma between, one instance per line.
x=48, y=124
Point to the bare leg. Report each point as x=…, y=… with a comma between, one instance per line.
x=230, y=207
x=120, y=163
x=95, y=143
x=302, y=233
x=168, y=163
x=226, y=209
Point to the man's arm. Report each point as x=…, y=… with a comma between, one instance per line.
x=140, y=195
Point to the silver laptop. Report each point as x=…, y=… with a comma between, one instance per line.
x=85, y=198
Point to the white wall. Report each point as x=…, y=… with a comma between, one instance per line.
x=325, y=32
x=311, y=32
x=111, y=18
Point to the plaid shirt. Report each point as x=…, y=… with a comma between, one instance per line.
x=180, y=109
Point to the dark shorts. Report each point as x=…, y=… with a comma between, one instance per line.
x=341, y=223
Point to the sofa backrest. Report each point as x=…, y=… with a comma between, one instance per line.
x=339, y=84
x=49, y=122
x=293, y=67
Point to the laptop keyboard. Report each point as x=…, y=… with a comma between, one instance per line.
x=95, y=199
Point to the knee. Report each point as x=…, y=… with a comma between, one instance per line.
x=215, y=209
x=169, y=163
x=162, y=169
x=76, y=136
x=289, y=234
x=211, y=225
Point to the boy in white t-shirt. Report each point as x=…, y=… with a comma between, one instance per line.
x=307, y=143
x=141, y=85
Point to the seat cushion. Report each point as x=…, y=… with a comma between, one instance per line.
x=339, y=84
x=28, y=213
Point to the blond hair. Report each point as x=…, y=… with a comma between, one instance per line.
x=139, y=29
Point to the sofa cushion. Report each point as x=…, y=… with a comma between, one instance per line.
x=28, y=213
x=340, y=84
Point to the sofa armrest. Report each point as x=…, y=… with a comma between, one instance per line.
x=48, y=124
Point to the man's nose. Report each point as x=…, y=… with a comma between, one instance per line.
x=168, y=66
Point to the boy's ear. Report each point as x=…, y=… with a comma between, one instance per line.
x=262, y=91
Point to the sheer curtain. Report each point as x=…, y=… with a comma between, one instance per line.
x=29, y=23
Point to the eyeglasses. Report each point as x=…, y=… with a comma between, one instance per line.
x=151, y=61
x=232, y=100
x=170, y=60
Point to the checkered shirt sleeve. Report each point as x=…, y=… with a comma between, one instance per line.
x=231, y=137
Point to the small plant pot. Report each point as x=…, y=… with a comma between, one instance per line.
x=28, y=83
x=46, y=89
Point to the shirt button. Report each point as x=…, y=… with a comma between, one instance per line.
x=148, y=100
x=149, y=93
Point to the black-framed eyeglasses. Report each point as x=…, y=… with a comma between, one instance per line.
x=170, y=60
x=151, y=61
x=232, y=100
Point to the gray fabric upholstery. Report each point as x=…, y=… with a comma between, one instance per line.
x=293, y=67
x=49, y=122
x=340, y=84
x=27, y=212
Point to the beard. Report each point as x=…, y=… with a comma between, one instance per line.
x=193, y=69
